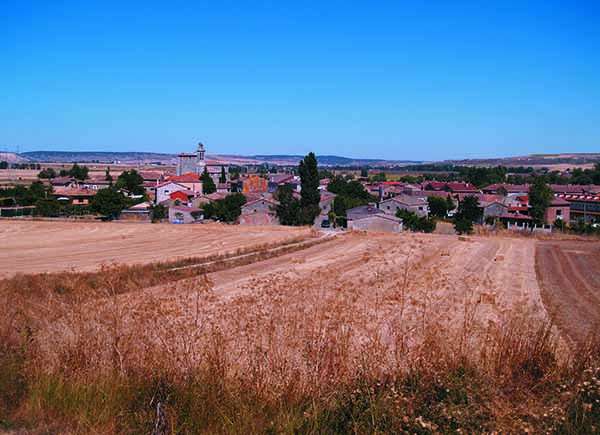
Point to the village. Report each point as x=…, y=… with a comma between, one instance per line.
x=189, y=194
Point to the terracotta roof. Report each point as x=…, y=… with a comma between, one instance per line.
x=170, y=182
x=189, y=177
x=586, y=198
x=181, y=194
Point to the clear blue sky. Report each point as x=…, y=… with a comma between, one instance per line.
x=424, y=80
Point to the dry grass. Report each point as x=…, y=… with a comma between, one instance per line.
x=76, y=357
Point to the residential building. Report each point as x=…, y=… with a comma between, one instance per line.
x=74, y=195
x=260, y=211
x=185, y=215
x=559, y=209
x=163, y=191
x=414, y=204
x=371, y=218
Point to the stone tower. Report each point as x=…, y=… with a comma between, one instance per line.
x=191, y=162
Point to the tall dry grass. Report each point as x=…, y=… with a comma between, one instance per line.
x=71, y=362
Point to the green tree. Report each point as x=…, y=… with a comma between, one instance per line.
x=289, y=207
x=208, y=185
x=413, y=222
x=47, y=208
x=227, y=209
x=469, y=209
x=540, y=197
x=450, y=203
x=47, y=173
x=223, y=177
x=379, y=177
x=107, y=176
x=108, y=202
x=463, y=226
x=158, y=212
x=131, y=181
x=3, y=164
x=309, y=191
x=78, y=172
x=438, y=206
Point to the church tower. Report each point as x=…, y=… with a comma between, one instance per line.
x=200, y=163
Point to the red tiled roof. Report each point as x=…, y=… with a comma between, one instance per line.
x=181, y=195
x=189, y=177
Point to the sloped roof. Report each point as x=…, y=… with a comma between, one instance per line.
x=189, y=177
x=407, y=200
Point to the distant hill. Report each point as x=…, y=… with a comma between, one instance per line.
x=137, y=157
x=535, y=160
x=96, y=156
x=12, y=158
x=549, y=160
x=329, y=160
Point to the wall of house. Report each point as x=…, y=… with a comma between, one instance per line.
x=163, y=192
x=258, y=218
x=373, y=223
x=552, y=213
x=494, y=210
x=391, y=207
x=178, y=216
x=259, y=207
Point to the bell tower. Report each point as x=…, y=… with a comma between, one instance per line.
x=201, y=152
x=200, y=163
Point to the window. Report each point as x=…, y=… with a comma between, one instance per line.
x=559, y=212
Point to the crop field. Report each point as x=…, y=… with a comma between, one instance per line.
x=406, y=332
x=42, y=246
x=569, y=273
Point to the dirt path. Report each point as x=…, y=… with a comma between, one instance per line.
x=569, y=274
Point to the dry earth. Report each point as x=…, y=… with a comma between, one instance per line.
x=42, y=246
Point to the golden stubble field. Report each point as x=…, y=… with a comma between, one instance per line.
x=43, y=246
x=387, y=292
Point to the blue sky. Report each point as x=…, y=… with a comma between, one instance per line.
x=399, y=80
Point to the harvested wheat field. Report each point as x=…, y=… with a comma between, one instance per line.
x=569, y=273
x=42, y=246
x=346, y=333
x=395, y=289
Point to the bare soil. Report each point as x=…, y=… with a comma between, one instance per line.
x=38, y=246
x=569, y=274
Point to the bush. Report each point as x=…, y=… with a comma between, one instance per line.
x=463, y=226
